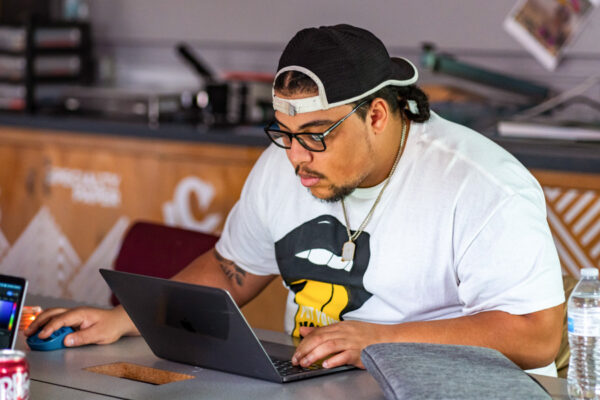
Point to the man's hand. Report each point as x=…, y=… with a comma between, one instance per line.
x=529, y=340
x=345, y=340
x=94, y=325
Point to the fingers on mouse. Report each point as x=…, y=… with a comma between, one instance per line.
x=52, y=342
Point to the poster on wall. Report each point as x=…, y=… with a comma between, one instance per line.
x=546, y=27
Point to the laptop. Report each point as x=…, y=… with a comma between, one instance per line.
x=203, y=326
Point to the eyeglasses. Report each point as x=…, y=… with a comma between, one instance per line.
x=310, y=141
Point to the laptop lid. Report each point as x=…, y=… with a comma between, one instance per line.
x=192, y=324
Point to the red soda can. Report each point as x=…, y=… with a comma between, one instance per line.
x=14, y=375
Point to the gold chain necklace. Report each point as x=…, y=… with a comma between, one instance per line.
x=349, y=247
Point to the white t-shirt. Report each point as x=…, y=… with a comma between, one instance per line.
x=460, y=229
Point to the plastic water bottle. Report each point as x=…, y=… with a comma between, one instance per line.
x=583, y=318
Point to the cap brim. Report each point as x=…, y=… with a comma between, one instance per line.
x=404, y=70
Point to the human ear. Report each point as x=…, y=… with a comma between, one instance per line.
x=379, y=113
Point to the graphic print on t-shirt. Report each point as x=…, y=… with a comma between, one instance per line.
x=325, y=287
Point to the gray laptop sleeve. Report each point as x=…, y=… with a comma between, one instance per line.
x=432, y=371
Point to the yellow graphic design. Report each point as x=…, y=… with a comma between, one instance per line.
x=319, y=304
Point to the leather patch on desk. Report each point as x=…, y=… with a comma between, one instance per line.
x=139, y=373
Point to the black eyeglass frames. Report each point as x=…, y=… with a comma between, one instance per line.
x=308, y=140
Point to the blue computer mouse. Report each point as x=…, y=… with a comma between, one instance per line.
x=52, y=342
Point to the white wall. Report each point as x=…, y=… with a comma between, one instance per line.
x=249, y=35
x=464, y=24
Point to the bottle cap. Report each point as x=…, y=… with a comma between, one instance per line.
x=589, y=272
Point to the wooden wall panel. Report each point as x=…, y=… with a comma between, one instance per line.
x=573, y=208
x=20, y=193
x=67, y=199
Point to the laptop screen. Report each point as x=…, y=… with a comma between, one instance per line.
x=11, y=295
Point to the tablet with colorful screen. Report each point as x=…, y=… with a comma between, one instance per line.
x=12, y=297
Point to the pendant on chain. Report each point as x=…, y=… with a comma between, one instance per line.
x=348, y=251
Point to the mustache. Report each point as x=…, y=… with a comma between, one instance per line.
x=307, y=171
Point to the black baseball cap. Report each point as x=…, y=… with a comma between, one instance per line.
x=346, y=63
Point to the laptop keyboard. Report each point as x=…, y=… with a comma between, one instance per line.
x=285, y=367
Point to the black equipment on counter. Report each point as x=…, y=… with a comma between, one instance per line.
x=125, y=104
x=246, y=100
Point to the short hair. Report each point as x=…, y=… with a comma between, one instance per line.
x=294, y=82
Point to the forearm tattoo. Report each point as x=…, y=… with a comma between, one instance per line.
x=231, y=270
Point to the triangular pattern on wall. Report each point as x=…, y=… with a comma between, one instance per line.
x=87, y=285
x=43, y=255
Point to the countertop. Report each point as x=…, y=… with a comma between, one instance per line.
x=549, y=154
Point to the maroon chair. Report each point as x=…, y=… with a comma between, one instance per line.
x=159, y=250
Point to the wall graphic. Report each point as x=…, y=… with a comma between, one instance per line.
x=178, y=211
x=43, y=255
x=88, y=187
x=84, y=284
x=574, y=218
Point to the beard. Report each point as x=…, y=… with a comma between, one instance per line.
x=337, y=192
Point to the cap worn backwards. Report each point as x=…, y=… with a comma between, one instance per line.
x=346, y=63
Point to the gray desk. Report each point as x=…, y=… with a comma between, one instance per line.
x=41, y=390
x=65, y=368
x=60, y=370
x=60, y=375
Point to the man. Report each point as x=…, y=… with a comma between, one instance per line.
x=403, y=227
